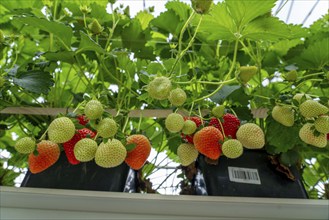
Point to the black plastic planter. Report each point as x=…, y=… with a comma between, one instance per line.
x=251, y=175
x=83, y=176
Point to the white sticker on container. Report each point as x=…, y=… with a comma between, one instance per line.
x=243, y=175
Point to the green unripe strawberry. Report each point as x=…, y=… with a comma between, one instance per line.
x=301, y=97
x=189, y=127
x=110, y=154
x=201, y=6
x=61, y=130
x=284, y=115
x=312, y=108
x=232, y=148
x=93, y=109
x=159, y=88
x=85, y=9
x=251, y=136
x=25, y=145
x=107, y=128
x=95, y=27
x=177, y=97
x=218, y=111
x=246, y=73
x=306, y=134
x=291, y=76
x=322, y=124
x=174, y=122
x=187, y=154
x=85, y=149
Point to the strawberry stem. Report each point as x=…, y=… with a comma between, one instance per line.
x=225, y=81
x=43, y=135
x=139, y=122
x=221, y=126
x=125, y=125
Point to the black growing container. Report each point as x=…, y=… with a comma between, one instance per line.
x=251, y=175
x=83, y=176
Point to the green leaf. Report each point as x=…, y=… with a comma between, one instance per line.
x=224, y=93
x=61, y=31
x=316, y=56
x=165, y=22
x=181, y=9
x=144, y=19
x=266, y=28
x=281, y=137
x=289, y=158
x=88, y=44
x=174, y=142
x=34, y=81
x=239, y=97
x=310, y=176
x=130, y=147
x=134, y=38
x=218, y=25
x=64, y=56
x=244, y=11
x=282, y=47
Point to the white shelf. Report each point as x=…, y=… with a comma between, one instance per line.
x=35, y=203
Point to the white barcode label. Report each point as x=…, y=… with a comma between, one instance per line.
x=243, y=175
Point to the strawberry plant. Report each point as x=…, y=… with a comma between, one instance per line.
x=227, y=72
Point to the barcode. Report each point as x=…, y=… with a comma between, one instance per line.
x=243, y=175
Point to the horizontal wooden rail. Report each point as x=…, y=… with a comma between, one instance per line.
x=151, y=113
x=156, y=113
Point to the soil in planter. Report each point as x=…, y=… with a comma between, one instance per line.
x=83, y=176
x=251, y=175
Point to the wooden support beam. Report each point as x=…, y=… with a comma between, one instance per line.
x=151, y=113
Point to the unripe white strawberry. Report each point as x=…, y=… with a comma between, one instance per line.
x=187, y=153
x=177, y=97
x=174, y=122
x=189, y=127
x=93, y=109
x=284, y=115
x=312, y=108
x=201, y=6
x=85, y=149
x=218, y=111
x=246, y=73
x=321, y=124
x=301, y=96
x=306, y=134
x=251, y=136
x=25, y=145
x=159, y=88
x=61, y=130
x=232, y=148
x=291, y=76
x=110, y=154
x=107, y=128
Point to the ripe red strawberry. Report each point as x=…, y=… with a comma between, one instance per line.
x=69, y=145
x=48, y=154
x=230, y=124
x=208, y=142
x=82, y=120
x=137, y=156
x=189, y=138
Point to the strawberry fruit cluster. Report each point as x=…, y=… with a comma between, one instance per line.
x=310, y=114
x=223, y=135
x=86, y=137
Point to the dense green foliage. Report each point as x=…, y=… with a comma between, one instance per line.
x=58, y=53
